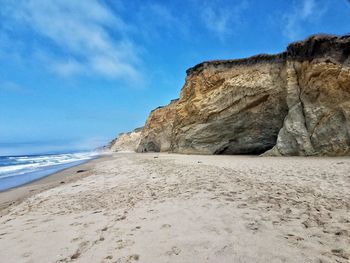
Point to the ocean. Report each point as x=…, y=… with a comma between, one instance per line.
x=19, y=170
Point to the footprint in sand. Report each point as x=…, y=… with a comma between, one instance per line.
x=340, y=253
x=47, y=220
x=120, y=218
x=124, y=243
x=101, y=239
x=253, y=226
x=75, y=224
x=129, y=259
x=294, y=239
x=26, y=254
x=341, y=232
x=174, y=251
x=242, y=205
x=82, y=247
x=75, y=239
x=88, y=224
x=136, y=228
x=226, y=250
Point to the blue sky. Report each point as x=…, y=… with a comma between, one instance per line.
x=74, y=73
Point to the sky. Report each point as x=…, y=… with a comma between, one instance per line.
x=75, y=73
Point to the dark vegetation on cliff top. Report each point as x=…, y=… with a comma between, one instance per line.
x=310, y=48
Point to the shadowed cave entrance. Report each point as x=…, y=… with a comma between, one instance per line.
x=234, y=147
x=150, y=147
x=253, y=151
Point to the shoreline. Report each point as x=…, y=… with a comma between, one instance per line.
x=18, y=194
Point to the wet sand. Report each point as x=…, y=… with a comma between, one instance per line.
x=16, y=195
x=180, y=208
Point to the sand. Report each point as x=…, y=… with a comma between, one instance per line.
x=16, y=195
x=179, y=208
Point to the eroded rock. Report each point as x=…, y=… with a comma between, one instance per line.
x=318, y=98
x=128, y=141
x=233, y=108
x=157, y=132
x=293, y=103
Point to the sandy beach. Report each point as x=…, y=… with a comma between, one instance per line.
x=16, y=195
x=182, y=208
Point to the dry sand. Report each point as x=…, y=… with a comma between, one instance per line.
x=178, y=208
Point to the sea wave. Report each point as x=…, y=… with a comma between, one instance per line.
x=17, y=165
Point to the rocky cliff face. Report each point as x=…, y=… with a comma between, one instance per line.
x=126, y=141
x=231, y=107
x=157, y=132
x=293, y=103
x=318, y=98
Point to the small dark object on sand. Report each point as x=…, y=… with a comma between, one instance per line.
x=81, y=171
x=199, y=162
x=155, y=157
x=75, y=255
x=63, y=182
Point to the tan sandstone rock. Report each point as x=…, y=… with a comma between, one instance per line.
x=318, y=97
x=231, y=107
x=126, y=141
x=293, y=103
x=156, y=134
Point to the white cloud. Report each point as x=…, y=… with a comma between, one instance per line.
x=307, y=8
x=221, y=20
x=305, y=12
x=89, y=37
x=67, y=68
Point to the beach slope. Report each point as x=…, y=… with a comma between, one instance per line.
x=180, y=208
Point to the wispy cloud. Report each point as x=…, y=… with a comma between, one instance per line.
x=347, y=2
x=9, y=86
x=158, y=20
x=83, y=36
x=305, y=11
x=219, y=19
x=67, y=68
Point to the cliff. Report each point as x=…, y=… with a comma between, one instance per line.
x=318, y=98
x=126, y=141
x=231, y=107
x=157, y=132
x=293, y=103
